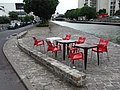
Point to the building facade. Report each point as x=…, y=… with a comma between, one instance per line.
x=91, y=3
x=5, y=8
x=111, y=6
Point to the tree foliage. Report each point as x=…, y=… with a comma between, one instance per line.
x=41, y=8
x=28, y=18
x=13, y=15
x=4, y=20
x=73, y=13
x=87, y=11
x=102, y=11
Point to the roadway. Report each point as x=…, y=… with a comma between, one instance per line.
x=8, y=78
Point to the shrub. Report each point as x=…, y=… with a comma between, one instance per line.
x=4, y=20
x=43, y=25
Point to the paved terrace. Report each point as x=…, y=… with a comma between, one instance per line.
x=106, y=76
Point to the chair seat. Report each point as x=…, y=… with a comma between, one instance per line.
x=53, y=48
x=76, y=56
x=40, y=43
x=99, y=50
x=56, y=49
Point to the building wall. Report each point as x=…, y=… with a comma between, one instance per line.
x=111, y=6
x=102, y=5
x=91, y=3
x=81, y=3
x=5, y=8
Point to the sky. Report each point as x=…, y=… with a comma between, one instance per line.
x=65, y=5
x=62, y=7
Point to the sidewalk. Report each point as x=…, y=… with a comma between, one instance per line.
x=106, y=76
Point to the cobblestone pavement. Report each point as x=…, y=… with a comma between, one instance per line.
x=106, y=76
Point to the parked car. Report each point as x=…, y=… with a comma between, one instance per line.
x=13, y=25
x=115, y=17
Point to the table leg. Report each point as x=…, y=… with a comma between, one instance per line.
x=67, y=48
x=64, y=49
x=98, y=55
x=55, y=54
x=85, y=58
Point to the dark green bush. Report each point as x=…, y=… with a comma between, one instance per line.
x=43, y=25
x=4, y=20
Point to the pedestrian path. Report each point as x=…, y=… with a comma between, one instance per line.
x=106, y=76
x=39, y=76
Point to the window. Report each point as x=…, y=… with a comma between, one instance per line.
x=19, y=6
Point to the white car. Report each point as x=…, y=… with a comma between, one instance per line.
x=13, y=26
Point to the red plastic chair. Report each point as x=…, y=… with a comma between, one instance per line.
x=75, y=56
x=53, y=48
x=67, y=37
x=102, y=47
x=38, y=42
x=81, y=40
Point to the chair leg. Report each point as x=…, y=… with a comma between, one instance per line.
x=71, y=63
x=46, y=53
x=102, y=57
x=107, y=56
x=91, y=54
x=73, y=66
x=44, y=48
x=55, y=54
x=40, y=48
x=33, y=46
x=83, y=65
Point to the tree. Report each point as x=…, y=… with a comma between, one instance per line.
x=73, y=13
x=41, y=8
x=102, y=11
x=28, y=18
x=87, y=11
x=13, y=15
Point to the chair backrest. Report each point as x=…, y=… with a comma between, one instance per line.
x=81, y=40
x=67, y=37
x=51, y=46
x=38, y=41
x=103, y=41
x=35, y=40
x=49, y=43
x=103, y=44
x=75, y=55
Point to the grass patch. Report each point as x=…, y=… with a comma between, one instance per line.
x=43, y=25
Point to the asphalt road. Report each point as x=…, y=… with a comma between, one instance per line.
x=8, y=78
